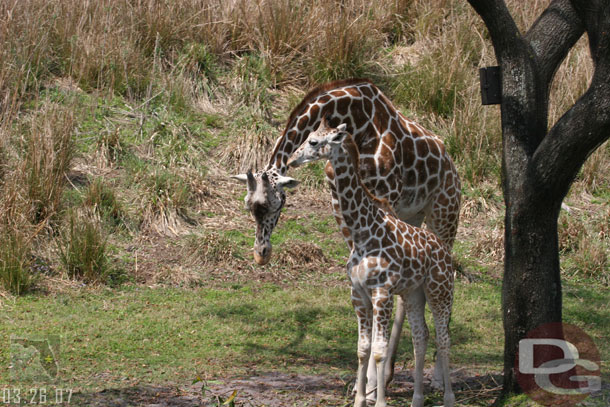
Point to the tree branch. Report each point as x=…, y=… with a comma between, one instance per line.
x=595, y=14
x=553, y=35
x=574, y=137
x=504, y=33
x=586, y=125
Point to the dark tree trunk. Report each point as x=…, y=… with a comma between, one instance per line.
x=531, y=289
x=538, y=164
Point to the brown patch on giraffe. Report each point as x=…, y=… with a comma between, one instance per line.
x=443, y=199
x=366, y=91
x=314, y=113
x=391, y=251
x=382, y=188
x=408, y=152
x=422, y=147
x=382, y=118
x=343, y=106
x=340, y=171
x=433, y=164
x=367, y=105
x=302, y=123
x=344, y=183
x=451, y=190
x=385, y=162
x=345, y=232
x=328, y=170
x=390, y=141
x=420, y=167
x=433, y=182
x=435, y=150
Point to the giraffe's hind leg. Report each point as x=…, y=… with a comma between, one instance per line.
x=399, y=317
x=440, y=301
x=415, y=305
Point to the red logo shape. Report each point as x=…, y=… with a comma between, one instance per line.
x=558, y=365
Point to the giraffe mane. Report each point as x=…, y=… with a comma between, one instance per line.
x=354, y=157
x=312, y=95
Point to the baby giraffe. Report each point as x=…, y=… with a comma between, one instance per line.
x=389, y=257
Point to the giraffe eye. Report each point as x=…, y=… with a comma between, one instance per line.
x=313, y=142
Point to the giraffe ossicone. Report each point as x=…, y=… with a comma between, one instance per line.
x=389, y=257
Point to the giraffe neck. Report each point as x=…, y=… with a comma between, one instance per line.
x=353, y=102
x=360, y=209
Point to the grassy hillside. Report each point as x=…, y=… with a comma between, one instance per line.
x=120, y=122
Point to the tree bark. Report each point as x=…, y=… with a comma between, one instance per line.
x=538, y=166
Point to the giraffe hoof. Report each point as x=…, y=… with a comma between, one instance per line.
x=418, y=401
x=360, y=402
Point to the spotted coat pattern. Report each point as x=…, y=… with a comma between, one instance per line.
x=399, y=161
x=389, y=257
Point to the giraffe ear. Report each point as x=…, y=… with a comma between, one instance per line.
x=287, y=182
x=342, y=127
x=243, y=178
x=247, y=178
x=339, y=136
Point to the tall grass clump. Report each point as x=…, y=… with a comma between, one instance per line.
x=16, y=236
x=15, y=258
x=101, y=198
x=166, y=201
x=49, y=148
x=82, y=247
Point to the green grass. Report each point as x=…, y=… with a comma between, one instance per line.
x=169, y=335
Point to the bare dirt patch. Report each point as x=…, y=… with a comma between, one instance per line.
x=276, y=389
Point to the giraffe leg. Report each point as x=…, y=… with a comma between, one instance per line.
x=382, y=311
x=364, y=313
x=441, y=312
x=415, y=303
x=399, y=317
x=371, y=379
x=443, y=221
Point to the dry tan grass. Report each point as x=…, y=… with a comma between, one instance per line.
x=245, y=63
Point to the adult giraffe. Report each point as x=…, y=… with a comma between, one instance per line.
x=399, y=161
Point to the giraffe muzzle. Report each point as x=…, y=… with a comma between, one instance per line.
x=263, y=256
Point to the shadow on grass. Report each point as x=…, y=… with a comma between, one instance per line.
x=299, y=336
x=313, y=336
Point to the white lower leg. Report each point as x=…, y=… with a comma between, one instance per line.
x=364, y=351
x=399, y=318
x=418, y=376
x=437, y=376
x=371, y=379
x=449, y=397
x=380, y=352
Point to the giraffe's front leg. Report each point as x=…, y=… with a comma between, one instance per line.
x=382, y=312
x=415, y=303
x=364, y=313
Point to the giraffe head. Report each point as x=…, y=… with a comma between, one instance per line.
x=319, y=144
x=265, y=200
